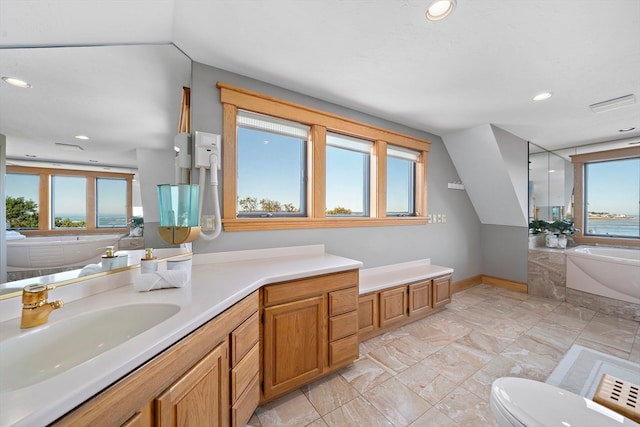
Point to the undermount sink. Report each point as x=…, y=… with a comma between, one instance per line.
x=42, y=353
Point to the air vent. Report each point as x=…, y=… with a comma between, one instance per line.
x=68, y=147
x=613, y=104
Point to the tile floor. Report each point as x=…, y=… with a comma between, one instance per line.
x=438, y=371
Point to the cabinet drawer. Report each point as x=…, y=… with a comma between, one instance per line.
x=343, y=301
x=244, y=372
x=309, y=287
x=343, y=325
x=343, y=351
x=243, y=338
x=244, y=407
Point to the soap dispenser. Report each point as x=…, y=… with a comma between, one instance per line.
x=109, y=259
x=148, y=264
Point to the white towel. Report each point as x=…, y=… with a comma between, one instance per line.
x=160, y=279
x=90, y=269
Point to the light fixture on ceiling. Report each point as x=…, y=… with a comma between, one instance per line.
x=82, y=137
x=625, y=129
x=613, y=104
x=542, y=96
x=16, y=82
x=69, y=147
x=440, y=9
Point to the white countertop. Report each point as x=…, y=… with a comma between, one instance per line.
x=219, y=280
x=387, y=276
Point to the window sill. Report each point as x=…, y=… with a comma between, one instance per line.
x=613, y=241
x=253, y=224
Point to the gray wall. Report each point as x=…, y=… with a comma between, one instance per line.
x=505, y=251
x=455, y=244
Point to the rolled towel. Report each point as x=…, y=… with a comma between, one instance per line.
x=160, y=279
x=90, y=269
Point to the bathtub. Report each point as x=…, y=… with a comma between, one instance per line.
x=606, y=271
x=35, y=253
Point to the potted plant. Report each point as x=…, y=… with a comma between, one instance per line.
x=562, y=229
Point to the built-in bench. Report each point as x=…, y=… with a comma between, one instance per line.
x=397, y=294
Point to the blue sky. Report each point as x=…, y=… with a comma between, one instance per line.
x=614, y=186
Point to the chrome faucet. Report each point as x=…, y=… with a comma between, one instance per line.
x=35, y=307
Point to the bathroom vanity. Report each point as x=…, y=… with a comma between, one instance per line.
x=252, y=326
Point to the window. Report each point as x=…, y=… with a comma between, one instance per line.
x=314, y=169
x=347, y=187
x=611, y=195
x=23, y=199
x=607, y=196
x=59, y=200
x=272, y=166
x=111, y=203
x=68, y=202
x=401, y=181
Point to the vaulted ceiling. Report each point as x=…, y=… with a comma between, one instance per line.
x=483, y=64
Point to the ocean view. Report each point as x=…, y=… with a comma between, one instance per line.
x=107, y=221
x=614, y=226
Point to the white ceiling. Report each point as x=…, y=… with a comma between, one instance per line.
x=483, y=64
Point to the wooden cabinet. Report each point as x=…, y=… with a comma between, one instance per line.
x=293, y=344
x=368, y=313
x=208, y=378
x=309, y=328
x=200, y=397
x=387, y=309
x=420, y=298
x=393, y=305
x=245, y=370
x=441, y=291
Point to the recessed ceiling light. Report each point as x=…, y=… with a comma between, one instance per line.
x=542, y=96
x=440, y=9
x=626, y=130
x=83, y=137
x=16, y=82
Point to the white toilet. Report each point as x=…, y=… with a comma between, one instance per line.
x=522, y=402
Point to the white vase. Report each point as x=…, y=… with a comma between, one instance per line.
x=551, y=241
x=562, y=242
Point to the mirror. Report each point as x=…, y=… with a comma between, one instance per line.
x=550, y=185
x=124, y=98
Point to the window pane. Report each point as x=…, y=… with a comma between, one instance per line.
x=347, y=191
x=271, y=168
x=68, y=202
x=111, y=203
x=401, y=181
x=612, y=196
x=22, y=200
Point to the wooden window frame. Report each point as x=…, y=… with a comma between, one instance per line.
x=234, y=98
x=579, y=161
x=44, y=203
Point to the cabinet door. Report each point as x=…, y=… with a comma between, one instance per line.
x=393, y=305
x=294, y=344
x=367, y=313
x=441, y=291
x=201, y=396
x=419, y=298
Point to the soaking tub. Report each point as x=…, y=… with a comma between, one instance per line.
x=607, y=271
x=34, y=253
